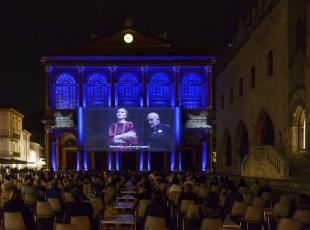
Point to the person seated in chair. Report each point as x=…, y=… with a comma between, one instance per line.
x=16, y=204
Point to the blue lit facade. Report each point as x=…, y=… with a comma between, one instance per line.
x=92, y=81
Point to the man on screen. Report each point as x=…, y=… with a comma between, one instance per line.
x=158, y=136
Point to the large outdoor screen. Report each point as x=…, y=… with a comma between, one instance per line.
x=129, y=129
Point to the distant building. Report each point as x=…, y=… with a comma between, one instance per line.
x=134, y=70
x=15, y=141
x=262, y=93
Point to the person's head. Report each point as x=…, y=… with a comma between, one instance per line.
x=16, y=195
x=212, y=200
x=121, y=113
x=156, y=196
x=153, y=119
x=188, y=188
x=76, y=194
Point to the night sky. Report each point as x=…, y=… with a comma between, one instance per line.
x=28, y=28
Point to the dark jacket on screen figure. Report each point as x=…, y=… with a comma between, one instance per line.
x=159, y=138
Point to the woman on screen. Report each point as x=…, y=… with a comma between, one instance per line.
x=122, y=132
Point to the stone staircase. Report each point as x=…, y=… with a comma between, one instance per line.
x=265, y=162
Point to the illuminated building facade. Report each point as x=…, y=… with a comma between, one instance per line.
x=127, y=69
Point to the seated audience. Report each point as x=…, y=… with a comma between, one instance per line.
x=78, y=207
x=16, y=204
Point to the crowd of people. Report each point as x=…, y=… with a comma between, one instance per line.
x=83, y=186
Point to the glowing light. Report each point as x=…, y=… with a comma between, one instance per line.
x=128, y=38
x=172, y=161
x=53, y=151
x=109, y=160
x=149, y=161
x=117, y=160
x=204, y=156
x=78, y=160
x=85, y=161
x=180, y=161
x=141, y=161
x=304, y=136
x=177, y=124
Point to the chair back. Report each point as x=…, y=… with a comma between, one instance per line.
x=185, y=204
x=68, y=197
x=203, y=193
x=238, y=209
x=97, y=205
x=29, y=199
x=154, y=222
x=55, y=204
x=214, y=224
x=280, y=210
x=191, y=211
x=303, y=215
x=222, y=200
x=254, y=214
x=258, y=202
x=266, y=196
x=284, y=199
x=242, y=190
x=13, y=221
x=65, y=226
x=43, y=209
x=214, y=188
x=3, y=200
x=247, y=198
x=289, y=224
x=82, y=222
x=141, y=208
x=163, y=187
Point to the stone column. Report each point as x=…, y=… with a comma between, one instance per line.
x=47, y=149
x=80, y=80
x=57, y=154
x=144, y=83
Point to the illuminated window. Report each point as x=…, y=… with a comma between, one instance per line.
x=97, y=91
x=222, y=101
x=159, y=91
x=240, y=87
x=270, y=64
x=128, y=90
x=252, y=82
x=66, y=92
x=191, y=91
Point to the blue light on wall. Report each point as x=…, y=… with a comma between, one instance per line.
x=96, y=91
x=53, y=151
x=204, y=156
x=177, y=125
x=191, y=91
x=78, y=160
x=180, y=161
x=117, y=160
x=141, y=161
x=149, y=161
x=85, y=161
x=109, y=160
x=80, y=127
x=172, y=161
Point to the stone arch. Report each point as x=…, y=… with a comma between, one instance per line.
x=66, y=156
x=264, y=131
x=242, y=141
x=227, y=149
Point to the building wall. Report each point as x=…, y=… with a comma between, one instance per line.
x=270, y=93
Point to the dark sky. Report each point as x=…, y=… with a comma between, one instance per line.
x=28, y=28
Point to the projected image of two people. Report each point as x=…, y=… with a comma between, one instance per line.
x=153, y=134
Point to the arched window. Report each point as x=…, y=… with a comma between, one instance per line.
x=191, y=91
x=227, y=148
x=96, y=91
x=66, y=92
x=159, y=90
x=128, y=90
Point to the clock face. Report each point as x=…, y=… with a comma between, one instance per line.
x=128, y=38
